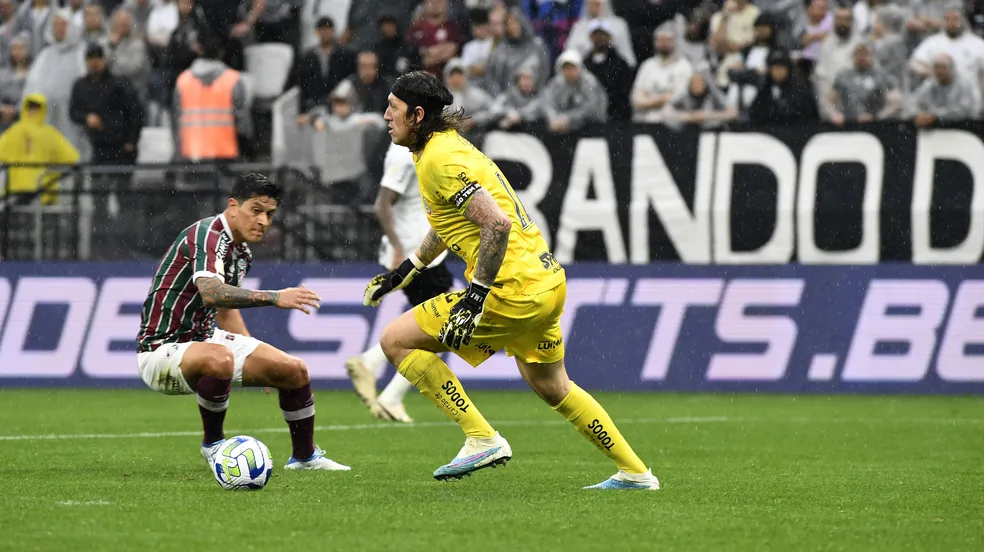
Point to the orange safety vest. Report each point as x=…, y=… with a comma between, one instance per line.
x=208, y=121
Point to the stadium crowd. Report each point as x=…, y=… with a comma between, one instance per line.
x=107, y=68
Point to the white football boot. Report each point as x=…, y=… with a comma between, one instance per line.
x=317, y=461
x=390, y=412
x=475, y=455
x=363, y=380
x=209, y=451
x=623, y=481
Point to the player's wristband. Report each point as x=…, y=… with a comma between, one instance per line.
x=417, y=263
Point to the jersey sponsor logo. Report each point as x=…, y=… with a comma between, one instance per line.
x=171, y=349
x=793, y=328
x=549, y=345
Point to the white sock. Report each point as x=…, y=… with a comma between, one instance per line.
x=375, y=359
x=395, y=390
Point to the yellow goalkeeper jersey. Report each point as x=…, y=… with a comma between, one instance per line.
x=449, y=172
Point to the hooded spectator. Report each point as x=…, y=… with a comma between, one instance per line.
x=371, y=89
x=889, y=45
x=573, y=97
x=613, y=72
x=473, y=100
x=128, y=56
x=520, y=47
x=54, y=72
x=785, y=97
x=703, y=105
x=601, y=11
x=864, y=92
x=12, y=79
x=519, y=104
x=31, y=140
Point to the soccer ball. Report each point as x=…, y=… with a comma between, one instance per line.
x=243, y=463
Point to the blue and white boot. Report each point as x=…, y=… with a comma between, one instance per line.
x=209, y=451
x=475, y=455
x=317, y=461
x=623, y=481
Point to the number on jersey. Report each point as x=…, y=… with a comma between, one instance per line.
x=524, y=219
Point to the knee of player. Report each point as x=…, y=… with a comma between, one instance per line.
x=390, y=343
x=297, y=372
x=221, y=363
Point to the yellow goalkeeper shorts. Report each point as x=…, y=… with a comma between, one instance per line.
x=526, y=326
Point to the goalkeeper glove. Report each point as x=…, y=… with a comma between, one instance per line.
x=464, y=317
x=393, y=280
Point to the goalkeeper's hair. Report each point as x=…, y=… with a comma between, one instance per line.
x=424, y=90
x=250, y=185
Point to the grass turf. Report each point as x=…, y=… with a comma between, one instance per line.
x=738, y=473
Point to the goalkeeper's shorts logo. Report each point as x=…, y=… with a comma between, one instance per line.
x=549, y=345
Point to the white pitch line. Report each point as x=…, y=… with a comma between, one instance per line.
x=503, y=423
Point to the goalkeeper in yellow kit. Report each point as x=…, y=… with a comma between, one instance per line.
x=514, y=300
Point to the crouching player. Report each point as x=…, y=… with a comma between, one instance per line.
x=515, y=297
x=180, y=352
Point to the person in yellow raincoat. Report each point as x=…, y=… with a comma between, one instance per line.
x=32, y=140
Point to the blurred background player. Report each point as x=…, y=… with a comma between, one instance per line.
x=181, y=352
x=514, y=300
x=404, y=224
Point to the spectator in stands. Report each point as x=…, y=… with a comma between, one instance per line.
x=163, y=21
x=597, y=11
x=863, y=93
x=344, y=114
x=12, y=79
x=472, y=99
x=648, y=15
x=128, y=53
x=231, y=21
x=520, y=47
x=108, y=108
x=865, y=14
x=395, y=56
x=786, y=15
x=746, y=76
x=703, y=105
x=927, y=18
x=785, y=96
x=363, y=19
x=34, y=18
x=8, y=20
x=77, y=9
x=612, y=71
x=889, y=45
x=733, y=28
x=53, y=74
x=371, y=90
x=573, y=97
x=519, y=104
x=32, y=140
x=552, y=20
x=836, y=55
x=946, y=96
x=140, y=11
x=321, y=68
x=693, y=46
x=475, y=53
x=211, y=110
x=337, y=10
x=964, y=48
x=94, y=26
x=184, y=45
x=279, y=22
x=818, y=24
x=660, y=80
x=436, y=35
x=161, y=25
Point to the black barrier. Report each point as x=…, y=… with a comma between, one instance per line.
x=809, y=194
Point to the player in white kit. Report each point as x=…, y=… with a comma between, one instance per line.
x=401, y=214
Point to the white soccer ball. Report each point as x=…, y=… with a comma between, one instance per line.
x=243, y=463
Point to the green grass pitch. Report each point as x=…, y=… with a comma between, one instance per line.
x=740, y=472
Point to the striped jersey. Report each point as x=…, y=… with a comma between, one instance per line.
x=173, y=311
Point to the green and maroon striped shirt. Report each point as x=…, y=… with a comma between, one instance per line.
x=173, y=311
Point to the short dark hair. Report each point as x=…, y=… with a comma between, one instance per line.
x=213, y=47
x=325, y=22
x=252, y=185
x=424, y=90
x=478, y=16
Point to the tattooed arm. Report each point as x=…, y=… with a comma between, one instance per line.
x=495, y=227
x=431, y=247
x=216, y=293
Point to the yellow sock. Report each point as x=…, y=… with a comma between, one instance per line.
x=593, y=422
x=428, y=373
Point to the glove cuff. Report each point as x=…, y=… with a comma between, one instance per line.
x=477, y=292
x=417, y=263
x=405, y=268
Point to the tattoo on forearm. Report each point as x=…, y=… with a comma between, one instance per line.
x=495, y=227
x=217, y=294
x=431, y=247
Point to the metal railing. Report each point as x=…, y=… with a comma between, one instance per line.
x=104, y=212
